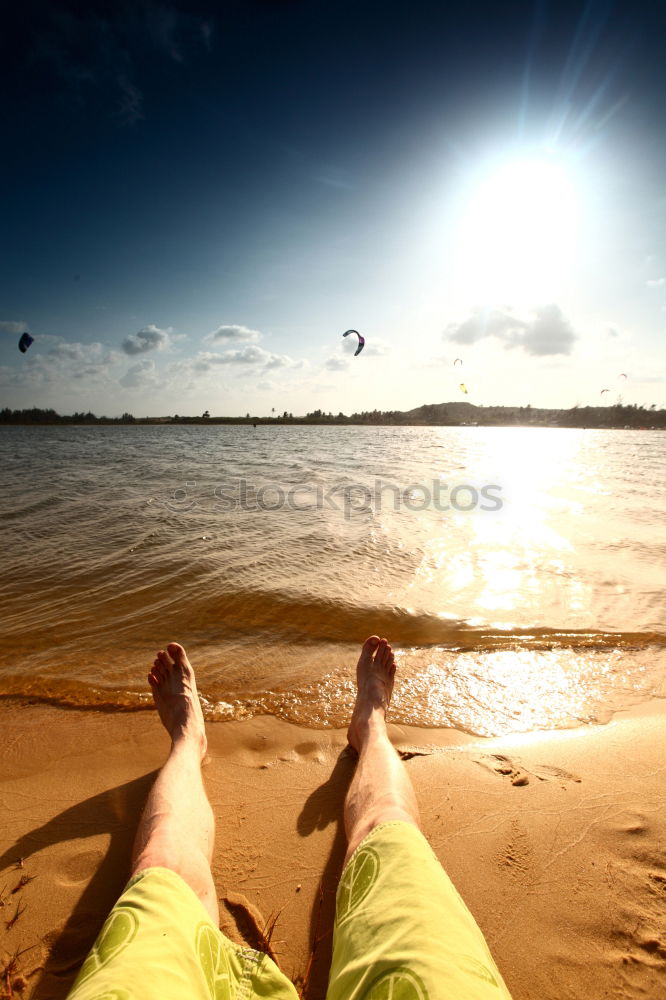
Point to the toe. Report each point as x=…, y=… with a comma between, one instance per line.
x=154, y=677
x=177, y=652
x=383, y=653
x=370, y=644
x=163, y=657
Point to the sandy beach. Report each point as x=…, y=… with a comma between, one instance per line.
x=555, y=841
x=324, y=320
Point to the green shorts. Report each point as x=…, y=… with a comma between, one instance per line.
x=402, y=932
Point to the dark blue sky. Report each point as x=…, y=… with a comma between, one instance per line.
x=273, y=170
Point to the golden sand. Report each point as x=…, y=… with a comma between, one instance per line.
x=555, y=841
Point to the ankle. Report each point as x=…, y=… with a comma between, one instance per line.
x=372, y=729
x=189, y=742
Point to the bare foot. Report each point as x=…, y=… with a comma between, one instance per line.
x=175, y=693
x=374, y=678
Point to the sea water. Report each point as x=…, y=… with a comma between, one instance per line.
x=518, y=572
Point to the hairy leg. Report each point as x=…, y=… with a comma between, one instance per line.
x=381, y=789
x=177, y=827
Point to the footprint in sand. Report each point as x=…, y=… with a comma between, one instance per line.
x=637, y=880
x=298, y=753
x=408, y=752
x=79, y=867
x=499, y=764
x=630, y=821
x=520, y=775
x=516, y=856
x=547, y=772
x=310, y=751
x=657, y=882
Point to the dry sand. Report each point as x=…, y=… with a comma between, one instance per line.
x=555, y=841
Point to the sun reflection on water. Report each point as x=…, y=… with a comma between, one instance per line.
x=522, y=556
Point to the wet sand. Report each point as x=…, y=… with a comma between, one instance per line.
x=557, y=842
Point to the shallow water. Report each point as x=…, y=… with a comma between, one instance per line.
x=519, y=572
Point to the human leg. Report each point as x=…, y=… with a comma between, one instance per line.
x=401, y=929
x=380, y=789
x=161, y=940
x=177, y=827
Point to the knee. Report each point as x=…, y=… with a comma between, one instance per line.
x=192, y=867
x=394, y=812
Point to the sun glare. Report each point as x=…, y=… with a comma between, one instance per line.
x=518, y=235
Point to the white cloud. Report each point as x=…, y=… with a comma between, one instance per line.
x=280, y=361
x=336, y=364
x=86, y=354
x=150, y=338
x=232, y=332
x=484, y=323
x=13, y=326
x=549, y=333
x=64, y=362
x=10, y=379
x=349, y=344
x=656, y=282
x=546, y=332
x=140, y=375
x=376, y=348
x=250, y=356
x=242, y=356
x=91, y=372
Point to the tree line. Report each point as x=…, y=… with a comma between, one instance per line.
x=435, y=414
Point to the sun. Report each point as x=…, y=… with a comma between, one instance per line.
x=519, y=231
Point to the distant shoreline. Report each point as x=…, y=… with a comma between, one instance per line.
x=618, y=417
x=221, y=421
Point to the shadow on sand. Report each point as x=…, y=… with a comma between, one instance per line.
x=114, y=812
x=324, y=806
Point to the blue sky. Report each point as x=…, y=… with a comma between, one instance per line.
x=201, y=198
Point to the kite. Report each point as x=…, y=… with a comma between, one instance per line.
x=463, y=387
x=603, y=391
x=361, y=340
x=25, y=342
x=622, y=375
x=457, y=361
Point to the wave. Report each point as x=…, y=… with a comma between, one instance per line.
x=453, y=674
x=302, y=619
